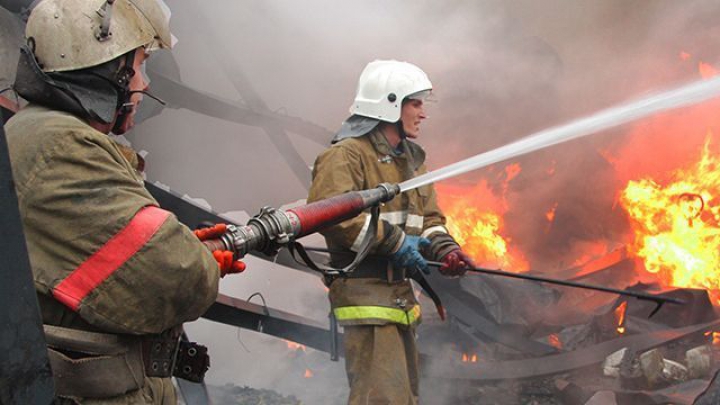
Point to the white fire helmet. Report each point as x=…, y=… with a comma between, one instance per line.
x=384, y=84
x=77, y=34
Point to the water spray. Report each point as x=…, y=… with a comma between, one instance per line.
x=684, y=96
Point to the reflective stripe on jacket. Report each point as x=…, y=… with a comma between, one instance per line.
x=104, y=256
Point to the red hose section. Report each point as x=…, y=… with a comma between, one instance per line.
x=322, y=214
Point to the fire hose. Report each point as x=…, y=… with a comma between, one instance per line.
x=273, y=229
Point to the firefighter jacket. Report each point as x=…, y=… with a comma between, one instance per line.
x=361, y=163
x=105, y=257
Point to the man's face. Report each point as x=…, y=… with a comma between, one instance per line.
x=412, y=114
x=137, y=83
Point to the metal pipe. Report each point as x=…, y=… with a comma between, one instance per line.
x=659, y=300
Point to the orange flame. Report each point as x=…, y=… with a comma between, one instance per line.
x=308, y=373
x=474, y=218
x=295, y=346
x=715, y=337
x=677, y=224
x=707, y=70
x=554, y=341
x=467, y=358
x=550, y=215
x=511, y=171
x=620, y=317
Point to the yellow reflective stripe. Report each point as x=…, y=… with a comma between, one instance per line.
x=395, y=315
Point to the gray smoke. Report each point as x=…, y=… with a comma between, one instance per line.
x=501, y=70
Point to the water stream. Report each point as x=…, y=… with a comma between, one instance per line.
x=684, y=96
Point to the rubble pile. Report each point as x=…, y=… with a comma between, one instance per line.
x=578, y=348
x=230, y=394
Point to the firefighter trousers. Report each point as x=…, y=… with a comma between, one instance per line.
x=382, y=364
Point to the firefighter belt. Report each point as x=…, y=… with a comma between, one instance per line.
x=100, y=365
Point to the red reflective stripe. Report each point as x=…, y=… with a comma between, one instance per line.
x=8, y=105
x=98, y=267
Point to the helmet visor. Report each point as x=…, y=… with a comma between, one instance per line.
x=424, y=96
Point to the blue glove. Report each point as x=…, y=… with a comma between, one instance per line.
x=408, y=255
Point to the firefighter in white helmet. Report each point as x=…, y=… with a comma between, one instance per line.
x=116, y=276
x=375, y=303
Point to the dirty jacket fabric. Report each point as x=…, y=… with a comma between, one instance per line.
x=105, y=257
x=361, y=163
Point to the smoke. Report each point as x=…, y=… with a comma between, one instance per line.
x=500, y=70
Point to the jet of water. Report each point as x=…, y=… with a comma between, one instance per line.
x=687, y=95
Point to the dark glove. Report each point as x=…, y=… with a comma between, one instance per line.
x=408, y=254
x=224, y=258
x=455, y=263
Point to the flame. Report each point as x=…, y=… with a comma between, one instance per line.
x=308, y=373
x=677, y=224
x=620, y=317
x=554, y=341
x=467, y=358
x=591, y=251
x=550, y=215
x=295, y=346
x=475, y=219
x=715, y=337
x=684, y=55
x=512, y=170
x=707, y=70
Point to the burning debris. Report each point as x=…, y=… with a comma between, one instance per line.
x=662, y=237
x=677, y=224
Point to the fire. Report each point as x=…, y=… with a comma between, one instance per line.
x=308, y=373
x=707, y=70
x=676, y=224
x=295, y=346
x=475, y=219
x=620, y=317
x=467, y=358
x=554, y=341
x=550, y=215
x=715, y=337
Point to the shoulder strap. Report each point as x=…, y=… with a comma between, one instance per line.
x=368, y=239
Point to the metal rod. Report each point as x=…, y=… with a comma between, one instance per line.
x=639, y=295
x=658, y=299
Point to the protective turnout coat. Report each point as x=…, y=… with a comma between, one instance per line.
x=105, y=257
x=362, y=163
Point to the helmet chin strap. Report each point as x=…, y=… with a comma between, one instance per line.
x=127, y=107
x=125, y=104
x=401, y=129
x=152, y=96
